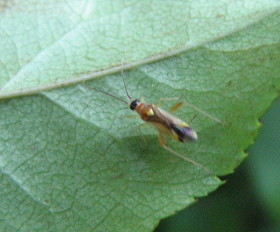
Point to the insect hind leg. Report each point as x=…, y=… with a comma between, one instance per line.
x=197, y=109
x=163, y=144
x=173, y=108
x=203, y=112
x=139, y=128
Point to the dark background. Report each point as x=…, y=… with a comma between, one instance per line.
x=250, y=199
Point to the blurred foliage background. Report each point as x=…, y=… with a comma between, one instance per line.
x=250, y=198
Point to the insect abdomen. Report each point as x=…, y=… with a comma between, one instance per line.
x=184, y=133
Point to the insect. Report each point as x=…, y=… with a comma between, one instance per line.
x=163, y=121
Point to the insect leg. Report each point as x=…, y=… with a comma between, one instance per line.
x=132, y=116
x=179, y=104
x=175, y=106
x=168, y=99
x=163, y=144
x=139, y=128
x=202, y=112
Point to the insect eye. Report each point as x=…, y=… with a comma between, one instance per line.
x=134, y=104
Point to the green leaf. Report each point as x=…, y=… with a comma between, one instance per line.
x=71, y=159
x=50, y=43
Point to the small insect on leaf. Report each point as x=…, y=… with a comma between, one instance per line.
x=164, y=122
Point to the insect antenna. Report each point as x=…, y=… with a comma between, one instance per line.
x=188, y=160
x=124, y=83
x=101, y=91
